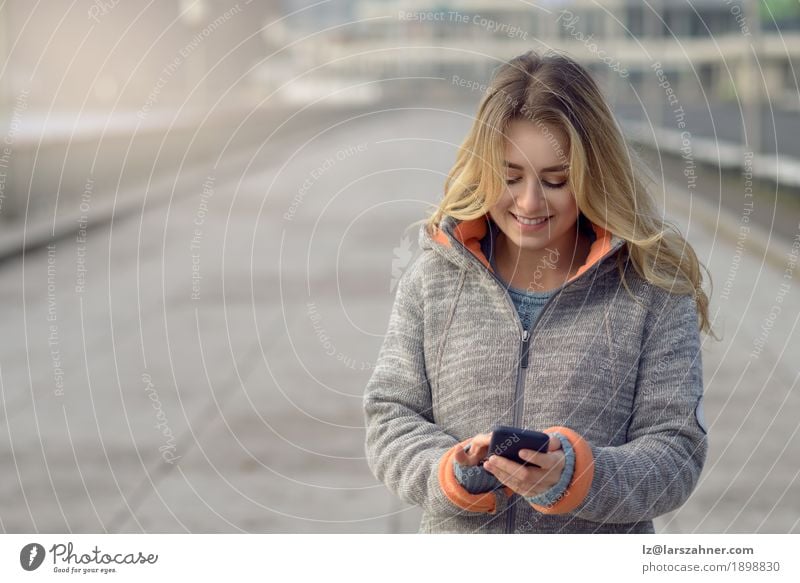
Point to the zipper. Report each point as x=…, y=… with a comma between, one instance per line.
x=525, y=342
x=519, y=396
x=526, y=336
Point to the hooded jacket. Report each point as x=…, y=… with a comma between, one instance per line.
x=619, y=376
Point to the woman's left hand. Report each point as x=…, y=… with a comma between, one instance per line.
x=528, y=480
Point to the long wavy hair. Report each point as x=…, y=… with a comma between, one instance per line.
x=607, y=180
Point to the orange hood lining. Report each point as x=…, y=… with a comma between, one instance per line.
x=471, y=232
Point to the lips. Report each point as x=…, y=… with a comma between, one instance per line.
x=528, y=222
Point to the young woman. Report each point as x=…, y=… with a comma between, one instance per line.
x=549, y=295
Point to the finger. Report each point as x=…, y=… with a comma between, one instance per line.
x=554, y=443
x=516, y=479
x=532, y=456
x=462, y=457
x=521, y=479
x=479, y=449
x=479, y=446
x=546, y=461
x=491, y=466
x=482, y=440
x=508, y=472
x=480, y=453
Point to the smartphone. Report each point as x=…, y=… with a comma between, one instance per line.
x=507, y=441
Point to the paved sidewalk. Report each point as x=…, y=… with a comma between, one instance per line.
x=751, y=482
x=240, y=411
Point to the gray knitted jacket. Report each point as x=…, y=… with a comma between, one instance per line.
x=620, y=377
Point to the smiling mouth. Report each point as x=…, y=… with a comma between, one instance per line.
x=526, y=221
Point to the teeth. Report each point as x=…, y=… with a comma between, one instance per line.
x=530, y=221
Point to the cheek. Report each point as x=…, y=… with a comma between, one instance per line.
x=565, y=204
x=503, y=205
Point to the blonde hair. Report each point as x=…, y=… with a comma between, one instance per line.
x=605, y=177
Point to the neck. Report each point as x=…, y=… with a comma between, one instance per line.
x=541, y=269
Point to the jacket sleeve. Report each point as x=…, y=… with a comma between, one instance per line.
x=658, y=467
x=405, y=449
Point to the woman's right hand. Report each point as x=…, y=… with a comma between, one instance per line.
x=478, y=450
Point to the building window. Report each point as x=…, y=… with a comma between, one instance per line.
x=700, y=23
x=705, y=72
x=634, y=21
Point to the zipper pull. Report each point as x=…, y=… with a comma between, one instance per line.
x=525, y=345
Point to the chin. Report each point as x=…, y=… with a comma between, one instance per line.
x=537, y=245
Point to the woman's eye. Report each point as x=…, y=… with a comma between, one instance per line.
x=545, y=183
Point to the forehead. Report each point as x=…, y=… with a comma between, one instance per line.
x=535, y=145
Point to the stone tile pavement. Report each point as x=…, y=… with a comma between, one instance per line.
x=130, y=406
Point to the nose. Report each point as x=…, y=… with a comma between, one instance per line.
x=531, y=200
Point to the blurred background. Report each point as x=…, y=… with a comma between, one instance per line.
x=203, y=212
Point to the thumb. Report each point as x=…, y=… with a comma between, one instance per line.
x=553, y=443
x=461, y=456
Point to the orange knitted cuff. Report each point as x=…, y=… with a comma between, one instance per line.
x=457, y=494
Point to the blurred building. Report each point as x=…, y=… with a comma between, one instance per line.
x=99, y=54
x=702, y=46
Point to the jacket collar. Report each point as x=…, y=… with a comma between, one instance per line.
x=460, y=242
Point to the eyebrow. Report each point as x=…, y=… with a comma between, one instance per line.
x=543, y=170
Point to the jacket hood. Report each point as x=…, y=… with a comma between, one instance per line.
x=460, y=243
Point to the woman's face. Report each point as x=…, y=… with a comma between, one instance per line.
x=536, y=187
